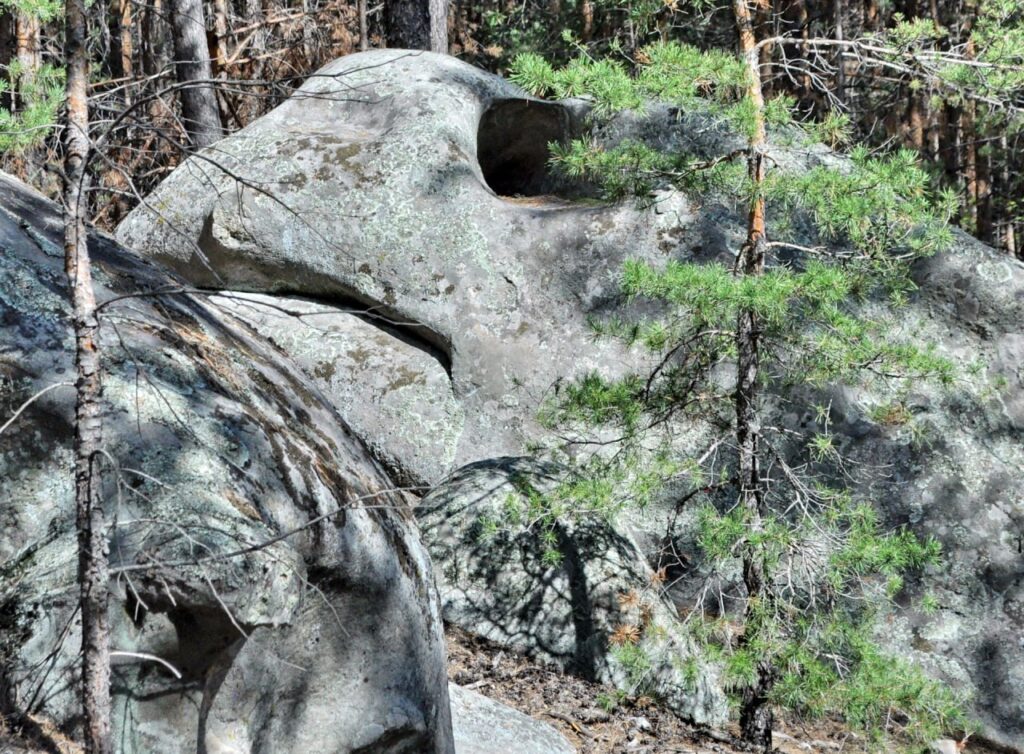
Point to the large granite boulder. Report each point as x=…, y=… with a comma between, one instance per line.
x=484, y=726
x=395, y=394
x=256, y=546
x=414, y=187
x=374, y=187
x=596, y=608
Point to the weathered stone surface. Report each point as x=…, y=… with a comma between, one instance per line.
x=500, y=586
x=374, y=185
x=484, y=726
x=394, y=391
x=326, y=639
x=366, y=187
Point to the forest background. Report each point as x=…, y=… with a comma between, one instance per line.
x=170, y=75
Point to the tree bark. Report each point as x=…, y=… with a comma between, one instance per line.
x=837, y=19
x=1009, y=234
x=150, y=39
x=127, y=48
x=983, y=194
x=417, y=24
x=26, y=33
x=28, y=43
x=199, y=109
x=364, y=29
x=795, y=22
x=439, y=26
x=756, y=716
x=219, y=53
x=8, y=50
x=93, y=568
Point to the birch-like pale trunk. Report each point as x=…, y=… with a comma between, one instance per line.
x=93, y=567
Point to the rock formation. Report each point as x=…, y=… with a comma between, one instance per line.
x=414, y=187
x=258, y=549
x=501, y=586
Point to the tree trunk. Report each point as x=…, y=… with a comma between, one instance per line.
x=795, y=23
x=219, y=52
x=27, y=52
x=915, y=122
x=28, y=42
x=755, y=711
x=983, y=195
x=417, y=24
x=93, y=568
x=1009, y=236
x=127, y=48
x=837, y=19
x=199, y=109
x=8, y=51
x=149, y=38
x=439, y=26
x=871, y=16
x=364, y=29
x=254, y=14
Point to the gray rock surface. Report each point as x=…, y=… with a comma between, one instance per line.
x=394, y=393
x=484, y=726
x=374, y=186
x=324, y=640
x=366, y=188
x=500, y=586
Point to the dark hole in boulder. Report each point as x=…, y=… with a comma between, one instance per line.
x=513, y=149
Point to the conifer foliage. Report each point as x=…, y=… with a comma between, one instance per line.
x=805, y=558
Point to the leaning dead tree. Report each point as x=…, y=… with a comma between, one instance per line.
x=93, y=566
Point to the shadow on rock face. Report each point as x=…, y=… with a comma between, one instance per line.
x=390, y=180
x=255, y=545
x=578, y=610
x=513, y=148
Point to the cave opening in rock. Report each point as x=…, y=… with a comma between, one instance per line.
x=513, y=147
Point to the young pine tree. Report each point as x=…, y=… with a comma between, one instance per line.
x=810, y=557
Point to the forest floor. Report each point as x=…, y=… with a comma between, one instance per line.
x=571, y=705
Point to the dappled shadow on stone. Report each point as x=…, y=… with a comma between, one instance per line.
x=246, y=519
x=501, y=581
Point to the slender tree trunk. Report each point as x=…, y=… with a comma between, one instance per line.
x=28, y=43
x=192, y=65
x=1009, y=236
x=439, y=26
x=364, y=29
x=149, y=39
x=915, y=122
x=219, y=52
x=871, y=15
x=587, y=12
x=127, y=48
x=762, y=30
x=794, y=17
x=970, y=161
x=417, y=24
x=756, y=715
x=254, y=14
x=93, y=569
x=837, y=20
x=27, y=52
x=983, y=194
x=8, y=50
